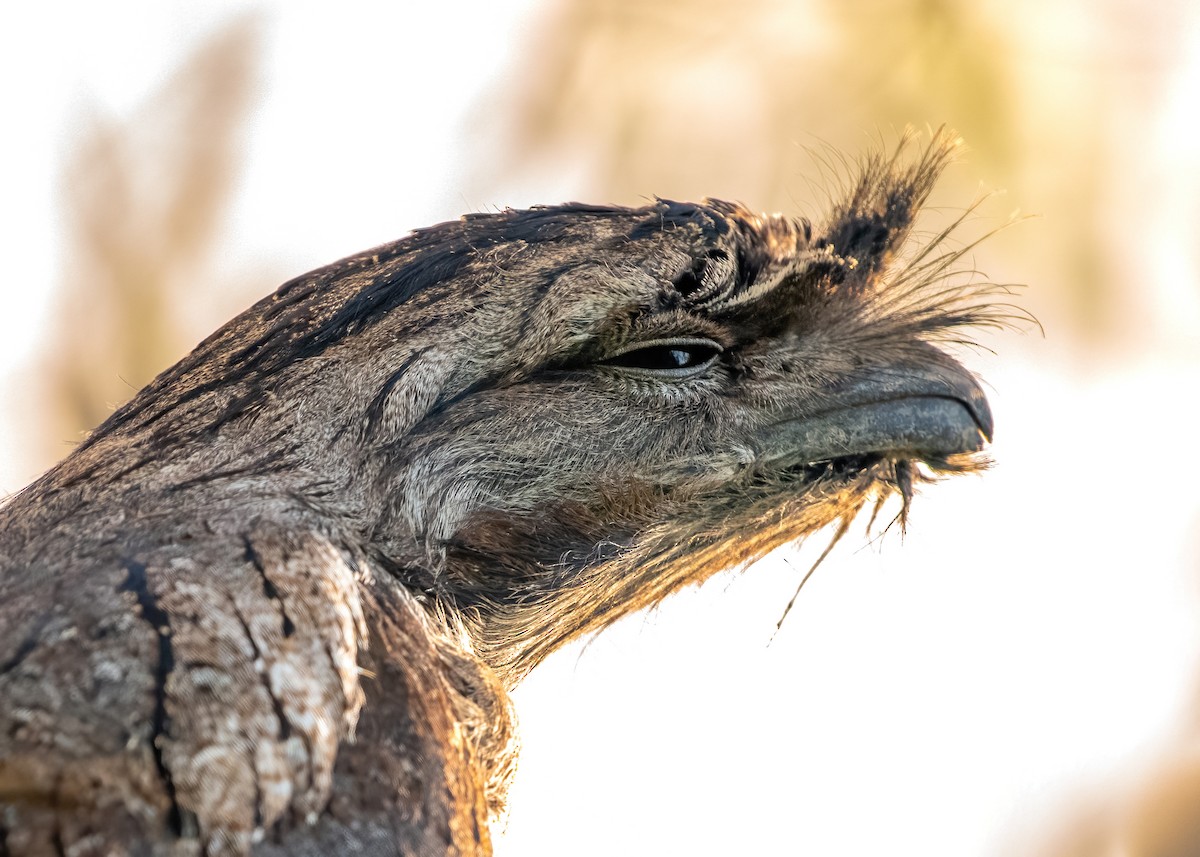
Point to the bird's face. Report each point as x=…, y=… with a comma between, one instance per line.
x=632, y=399
x=545, y=419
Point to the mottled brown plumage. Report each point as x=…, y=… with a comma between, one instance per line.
x=274, y=604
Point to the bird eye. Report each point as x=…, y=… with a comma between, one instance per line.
x=671, y=357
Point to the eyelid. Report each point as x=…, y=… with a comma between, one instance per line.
x=665, y=341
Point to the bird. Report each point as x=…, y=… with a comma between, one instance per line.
x=275, y=604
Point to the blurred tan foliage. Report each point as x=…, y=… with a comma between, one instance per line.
x=714, y=98
x=1154, y=815
x=1155, y=812
x=144, y=199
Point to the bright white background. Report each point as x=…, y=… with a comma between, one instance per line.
x=1031, y=644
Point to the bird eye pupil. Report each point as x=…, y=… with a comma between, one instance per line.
x=667, y=356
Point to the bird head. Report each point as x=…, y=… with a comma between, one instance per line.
x=542, y=420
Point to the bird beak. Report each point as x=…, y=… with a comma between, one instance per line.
x=932, y=411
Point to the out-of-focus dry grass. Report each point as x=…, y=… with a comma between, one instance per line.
x=709, y=97
x=1155, y=814
x=144, y=198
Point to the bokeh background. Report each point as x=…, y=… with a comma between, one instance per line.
x=1018, y=675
